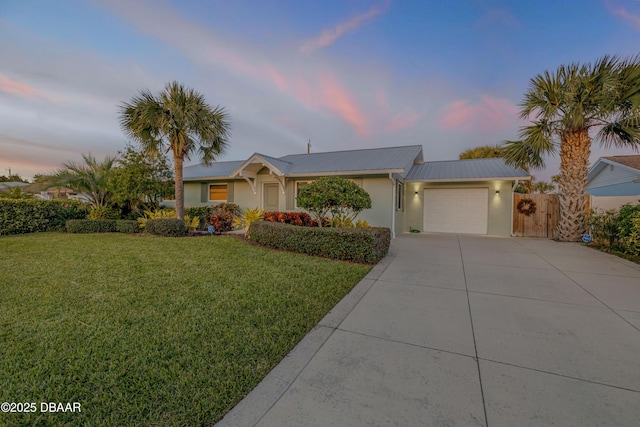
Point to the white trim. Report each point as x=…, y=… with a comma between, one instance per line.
x=454, y=180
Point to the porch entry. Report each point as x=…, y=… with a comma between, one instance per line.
x=270, y=197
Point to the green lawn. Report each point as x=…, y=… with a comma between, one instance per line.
x=148, y=330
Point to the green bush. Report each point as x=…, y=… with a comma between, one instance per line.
x=631, y=240
x=340, y=197
x=366, y=245
x=168, y=227
x=91, y=226
x=33, y=215
x=127, y=226
x=603, y=226
x=104, y=212
x=201, y=212
x=222, y=216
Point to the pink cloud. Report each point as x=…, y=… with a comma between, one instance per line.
x=403, y=120
x=328, y=36
x=14, y=87
x=623, y=13
x=339, y=101
x=489, y=115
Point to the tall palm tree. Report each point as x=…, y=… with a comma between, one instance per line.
x=569, y=107
x=90, y=179
x=177, y=120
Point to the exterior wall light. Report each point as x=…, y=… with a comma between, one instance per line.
x=497, y=191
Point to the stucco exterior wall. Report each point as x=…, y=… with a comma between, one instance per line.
x=499, y=205
x=382, y=204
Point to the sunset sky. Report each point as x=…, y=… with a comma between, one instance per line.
x=346, y=74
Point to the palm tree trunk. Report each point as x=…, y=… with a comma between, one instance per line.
x=178, y=162
x=575, y=148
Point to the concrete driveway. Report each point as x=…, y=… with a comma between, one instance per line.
x=457, y=330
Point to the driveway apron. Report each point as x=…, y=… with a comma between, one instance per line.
x=461, y=330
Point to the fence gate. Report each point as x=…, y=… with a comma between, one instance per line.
x=542, y=222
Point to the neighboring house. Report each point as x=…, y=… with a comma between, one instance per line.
x=7, y=186
x=615, y=176
x=614, y=181
x=464, y=196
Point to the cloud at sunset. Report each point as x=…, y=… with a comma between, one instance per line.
x=622, y=12
x=14, y=87
x=329, y=36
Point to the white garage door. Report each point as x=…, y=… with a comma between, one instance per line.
x=456, y=210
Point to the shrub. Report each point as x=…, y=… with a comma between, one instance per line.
x=603, y=226
x=631, y=241
x=222, y=216
x=366, y=245
x=104, y=213
x=33, y=215
x=191, y=223
x=625, y=217
x=91, y=226
x=340, y=197
x=293, y=218
x=249, y=216
x=168, y=227
x=127, y=226
x=201, y=212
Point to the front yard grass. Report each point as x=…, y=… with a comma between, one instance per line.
x=150, y=330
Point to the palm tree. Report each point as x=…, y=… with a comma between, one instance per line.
x=178, y=120
x=566, y=108
x=90, y=179
x=482, y=152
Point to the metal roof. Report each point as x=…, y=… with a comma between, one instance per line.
x=475, y=169
x=217, y=169
x=373, y=159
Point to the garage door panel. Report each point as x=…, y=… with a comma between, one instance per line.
x=458, y=210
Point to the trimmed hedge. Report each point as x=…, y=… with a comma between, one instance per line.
x=366, y=245
x=127, y=226
x=168, y=227
x=91, y=226
x=34, y=215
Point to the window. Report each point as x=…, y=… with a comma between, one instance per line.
x=299, y=185
x=218, y=192
x=400, y=196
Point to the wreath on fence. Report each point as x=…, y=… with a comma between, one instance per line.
x=526, y=207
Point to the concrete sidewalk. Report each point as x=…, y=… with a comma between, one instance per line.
x=456, y=330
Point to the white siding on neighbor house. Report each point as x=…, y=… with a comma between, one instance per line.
x=607, y=176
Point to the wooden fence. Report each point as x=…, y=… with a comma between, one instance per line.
x=541, y=223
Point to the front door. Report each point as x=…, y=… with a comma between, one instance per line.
x=270, y=197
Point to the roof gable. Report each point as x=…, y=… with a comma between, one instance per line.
x=612, y=171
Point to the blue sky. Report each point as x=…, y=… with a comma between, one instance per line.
x=344, y=73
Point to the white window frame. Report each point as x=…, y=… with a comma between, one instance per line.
x=218, y=185
x=399, y=196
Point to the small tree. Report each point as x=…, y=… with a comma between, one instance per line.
x=341, y=198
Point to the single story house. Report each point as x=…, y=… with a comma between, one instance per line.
x=462, y=196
